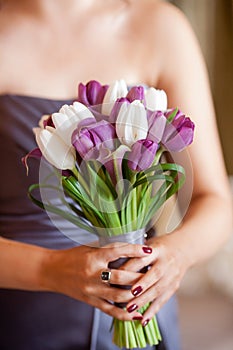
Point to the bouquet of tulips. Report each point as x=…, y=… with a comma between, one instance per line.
x=108, y=146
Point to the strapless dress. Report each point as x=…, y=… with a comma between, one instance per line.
x=42, y=320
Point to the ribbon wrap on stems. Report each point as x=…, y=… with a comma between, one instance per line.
x=134, y=237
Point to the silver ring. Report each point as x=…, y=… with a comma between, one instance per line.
x=105, y=276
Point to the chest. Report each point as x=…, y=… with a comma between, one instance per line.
x=48, y=63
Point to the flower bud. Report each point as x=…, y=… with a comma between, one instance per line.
x=116, y=90
x=132, y=123
x=156, y=100
x=54, y=149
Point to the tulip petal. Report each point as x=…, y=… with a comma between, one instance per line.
x=116, y=108
x=178, y=133
x=46, y=120
x=156, y=100
x=142, y=155
x=116, y=90
x=136, y=93
x=157, y=124
x=53, y=148
x=132, y=123
x=81, y=111
x=92, y=93
x=88, y=137
x=68, y=118
x=180, y=140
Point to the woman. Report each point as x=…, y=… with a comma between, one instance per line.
x=50, y=288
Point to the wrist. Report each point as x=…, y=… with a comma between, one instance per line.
x=176, y=244
x=183, y=246
x=48, y=276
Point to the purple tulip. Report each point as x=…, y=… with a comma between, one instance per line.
x=89, y=135
x=157, y=124
x=178, y=133
x=142, y=154
x=92, y=93
x=136, y=93
x=173, y=114
x=113, y=161
x=116, y=108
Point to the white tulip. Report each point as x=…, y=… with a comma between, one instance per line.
x=67, y=119
x=54, y=149
x=76, y=109
x=116, y=90
x=132, y=123
x=156, y=100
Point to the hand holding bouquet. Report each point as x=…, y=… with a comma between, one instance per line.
x=109, y=145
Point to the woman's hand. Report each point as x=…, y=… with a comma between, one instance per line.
x=168, y=265
x=76, y=272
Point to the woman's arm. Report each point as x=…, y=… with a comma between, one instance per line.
x=74, y=272
x=184, y=77
x=206, y=225
x=21, y=265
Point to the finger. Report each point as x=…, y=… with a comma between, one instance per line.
x=116, y=250
x=122, y=278
x=114, y=294
x=113, y=310
x=152, y=293
x=137, y=264
x=148, y=279
x=156, y=305
x=119, y=313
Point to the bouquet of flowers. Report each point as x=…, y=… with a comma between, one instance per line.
x=107, y=150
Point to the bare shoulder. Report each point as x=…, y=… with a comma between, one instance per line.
x=168, y=37
x=158, y=14
x=168, y=21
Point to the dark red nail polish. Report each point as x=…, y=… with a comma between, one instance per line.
x=137, y=318
x=145, y=323
x=147, y=250
x=132, y=308
x=137, y=291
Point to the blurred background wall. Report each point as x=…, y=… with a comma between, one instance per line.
x=212, y=21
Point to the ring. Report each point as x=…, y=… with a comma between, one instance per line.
x=106, y=276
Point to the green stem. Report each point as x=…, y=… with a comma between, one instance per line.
x=158, y=155
x=80, y=179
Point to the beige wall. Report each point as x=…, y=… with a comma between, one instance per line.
x=212, y=20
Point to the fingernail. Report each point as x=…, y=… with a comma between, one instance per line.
x=132, y=308
x=137, y=291
x=137, y=318
x=147, y=250
x=145, y=323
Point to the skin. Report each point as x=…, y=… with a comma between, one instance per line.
x=141, y=41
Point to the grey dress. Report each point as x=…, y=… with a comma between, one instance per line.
x=41, y=320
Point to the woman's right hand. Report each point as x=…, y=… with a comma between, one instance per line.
x=76, y=272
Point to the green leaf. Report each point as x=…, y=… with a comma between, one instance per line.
x=152, y=178
x=65, y=214
x=75, y=191
x=172, y=115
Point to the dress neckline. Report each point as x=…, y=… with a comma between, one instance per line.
x=36, y=98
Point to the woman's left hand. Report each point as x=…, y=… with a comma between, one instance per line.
x=168, y=265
